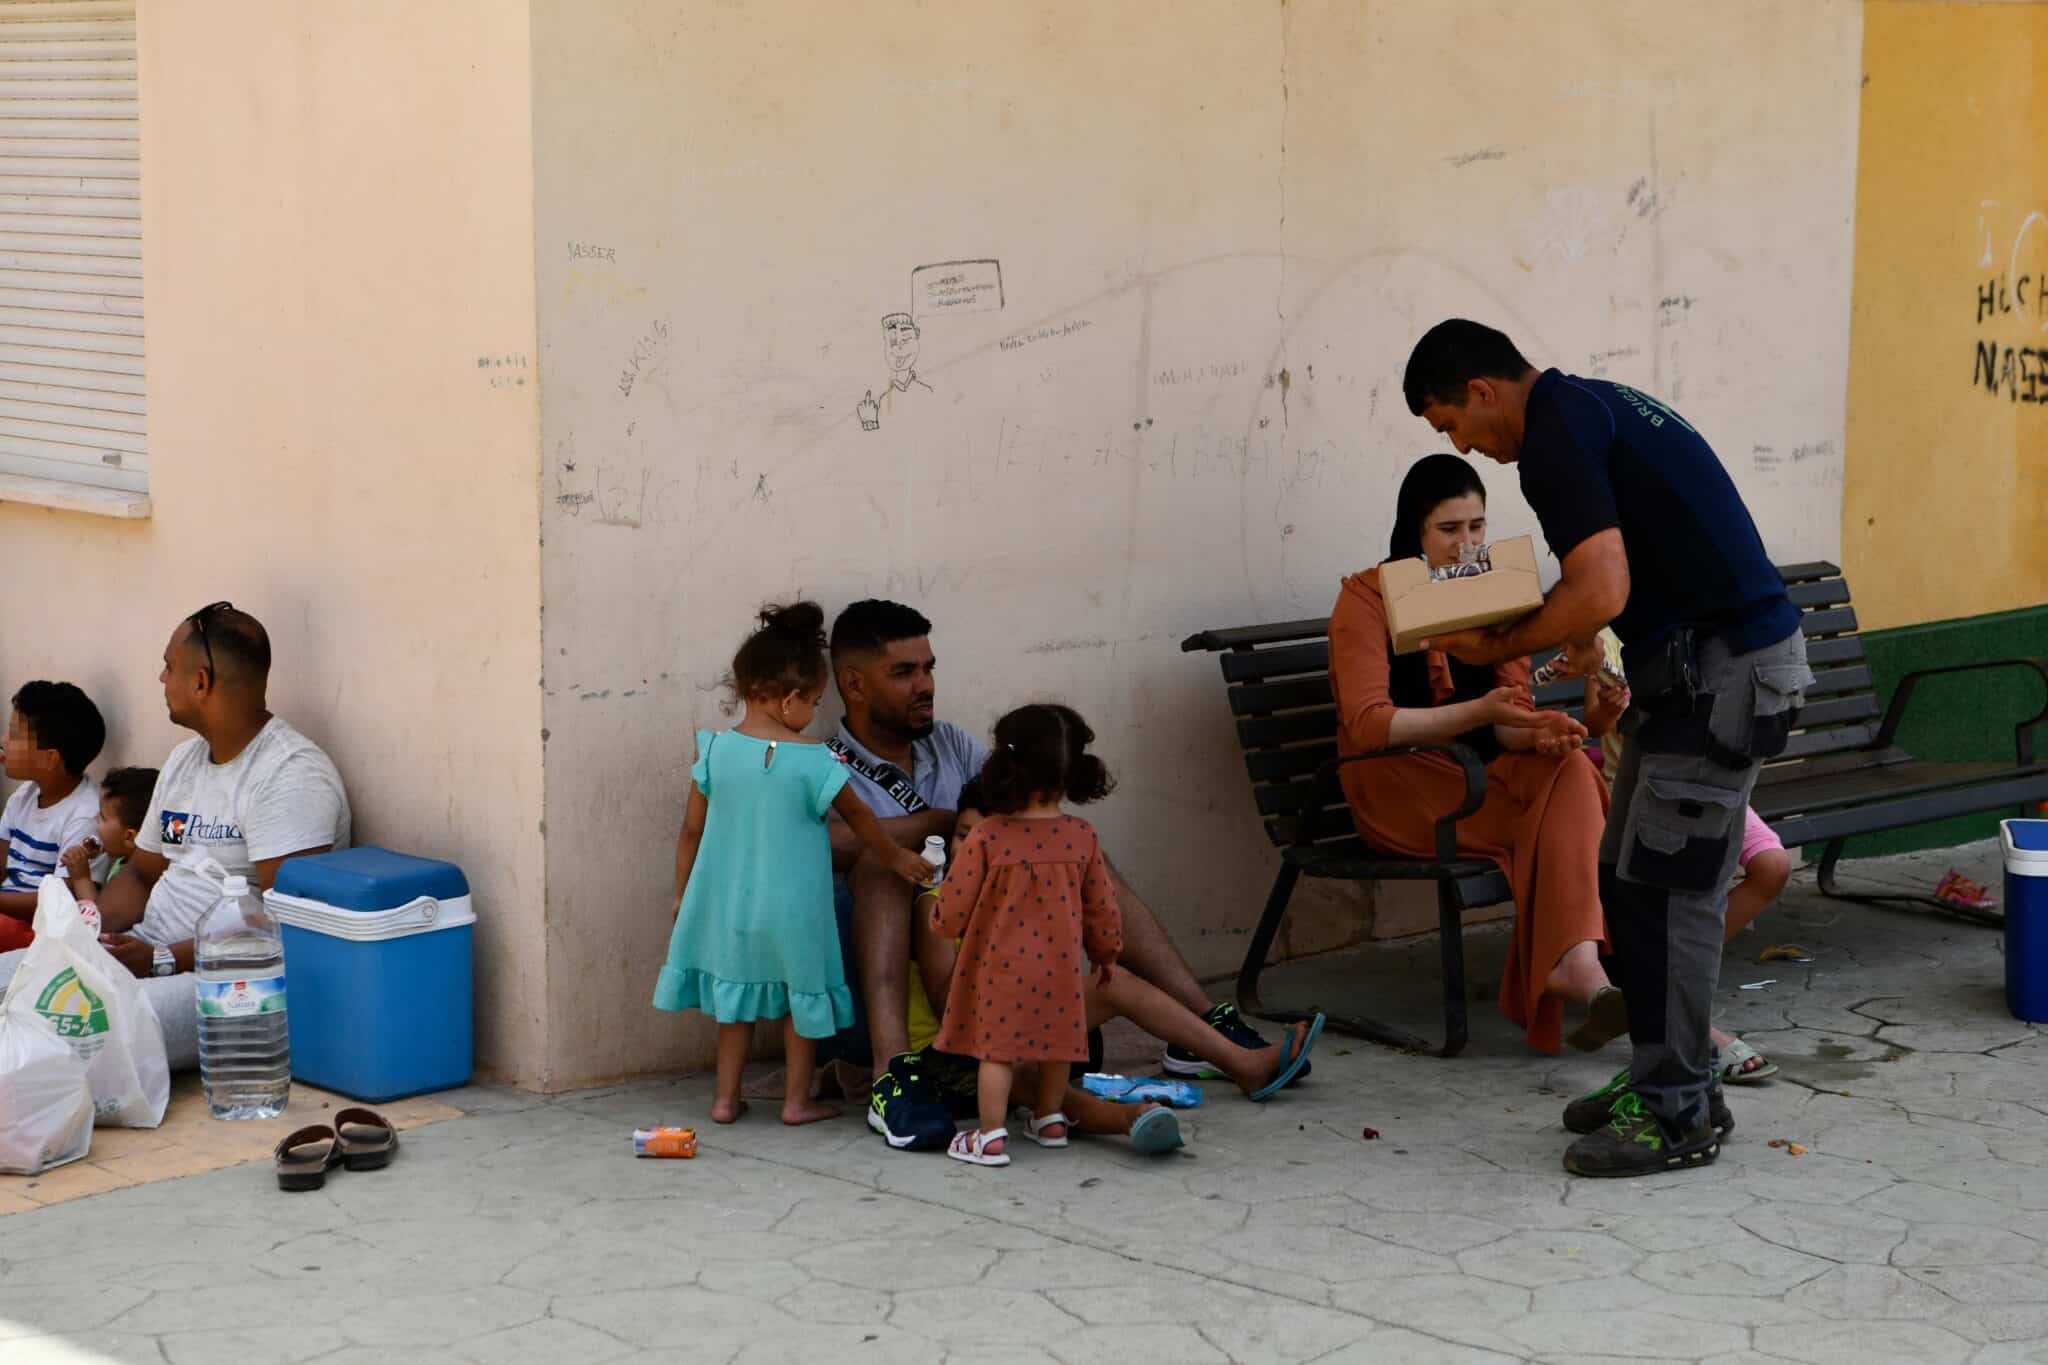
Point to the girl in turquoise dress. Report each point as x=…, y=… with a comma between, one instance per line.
x=755, y=936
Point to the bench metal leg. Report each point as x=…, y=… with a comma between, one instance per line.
x=1453, y=950
x=1831, y=854
x=1262, y=938
x=1451, y=939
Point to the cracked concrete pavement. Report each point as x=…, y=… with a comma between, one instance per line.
x=1913, y=1228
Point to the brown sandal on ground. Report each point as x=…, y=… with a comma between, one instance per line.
x=367, y=1139
x=305, y=1158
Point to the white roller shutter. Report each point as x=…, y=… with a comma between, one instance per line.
x=71, y=392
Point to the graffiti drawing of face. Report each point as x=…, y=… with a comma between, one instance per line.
x=899, y=343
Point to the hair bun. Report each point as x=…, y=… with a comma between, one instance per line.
x=804, y=619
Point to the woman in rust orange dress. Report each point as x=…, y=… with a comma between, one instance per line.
x=1545, y=804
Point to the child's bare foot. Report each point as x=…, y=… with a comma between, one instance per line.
x=796, y=1112
x=1271, y=1061
x=727, y=1111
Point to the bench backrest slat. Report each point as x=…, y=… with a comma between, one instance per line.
x=1257, y=665
x=1826, y=592
x=1829, y=682
x=1260, y=699
x=1842, y=649
x=1828, y=621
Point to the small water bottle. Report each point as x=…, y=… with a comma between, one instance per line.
x=934, y=856
x=245, y=1059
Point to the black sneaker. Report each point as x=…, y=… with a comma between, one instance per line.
x=904, y=1108
x=1592, y=1111
x=1227, y=1021
x=1635, y=1143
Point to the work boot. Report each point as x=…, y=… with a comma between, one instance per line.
x=1592, y=1111
x=1634, y=1142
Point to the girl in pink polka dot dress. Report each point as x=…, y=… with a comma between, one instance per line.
x=1029, y=895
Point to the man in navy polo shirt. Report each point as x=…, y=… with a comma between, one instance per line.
x=1654, y=540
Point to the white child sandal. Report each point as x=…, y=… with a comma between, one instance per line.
x=973, y=1147
x=1037, y=1127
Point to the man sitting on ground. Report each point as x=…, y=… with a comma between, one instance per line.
x=248, y=791
x=908, y=767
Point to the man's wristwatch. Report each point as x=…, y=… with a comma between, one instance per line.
x=162, y=963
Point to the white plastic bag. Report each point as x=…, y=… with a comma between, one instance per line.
x=45, y=1100
x=72, y=987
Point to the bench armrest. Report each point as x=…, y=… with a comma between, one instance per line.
x=2023, y=733
x=1447, y=825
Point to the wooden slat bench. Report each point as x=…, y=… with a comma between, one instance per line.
x=1842, y=774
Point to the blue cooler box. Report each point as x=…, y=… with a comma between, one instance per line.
x=2026, y=918
x=377, y=971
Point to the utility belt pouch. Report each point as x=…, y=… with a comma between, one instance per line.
x=1669, y=682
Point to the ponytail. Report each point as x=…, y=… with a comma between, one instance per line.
x=1041, y=751
x=785, y=654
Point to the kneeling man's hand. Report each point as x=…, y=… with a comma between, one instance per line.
x=137, y=955
x=1583, y=658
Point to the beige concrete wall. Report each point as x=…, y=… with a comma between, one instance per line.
x=337, y=225
x=1220, y=227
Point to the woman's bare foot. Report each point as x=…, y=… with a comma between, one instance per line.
x=796, y=1112
x=1577, y=975
x=727, y=1111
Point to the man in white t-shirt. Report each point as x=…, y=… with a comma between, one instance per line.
x=248, y=792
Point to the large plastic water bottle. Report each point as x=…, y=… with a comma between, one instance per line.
x=245, y=1058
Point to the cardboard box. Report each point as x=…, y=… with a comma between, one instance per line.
x=1418, y=608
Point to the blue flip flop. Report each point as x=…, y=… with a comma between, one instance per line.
x=1291, y=1063
x=1156, y=1131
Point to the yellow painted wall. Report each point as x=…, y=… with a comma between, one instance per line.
x=338, y=225
x=1221, y=225
x=1945, y=509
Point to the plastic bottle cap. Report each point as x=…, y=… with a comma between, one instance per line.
x=232, y=885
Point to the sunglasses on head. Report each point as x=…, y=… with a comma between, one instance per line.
x=198, y=620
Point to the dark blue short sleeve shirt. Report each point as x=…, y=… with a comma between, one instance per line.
x=1597, y=455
